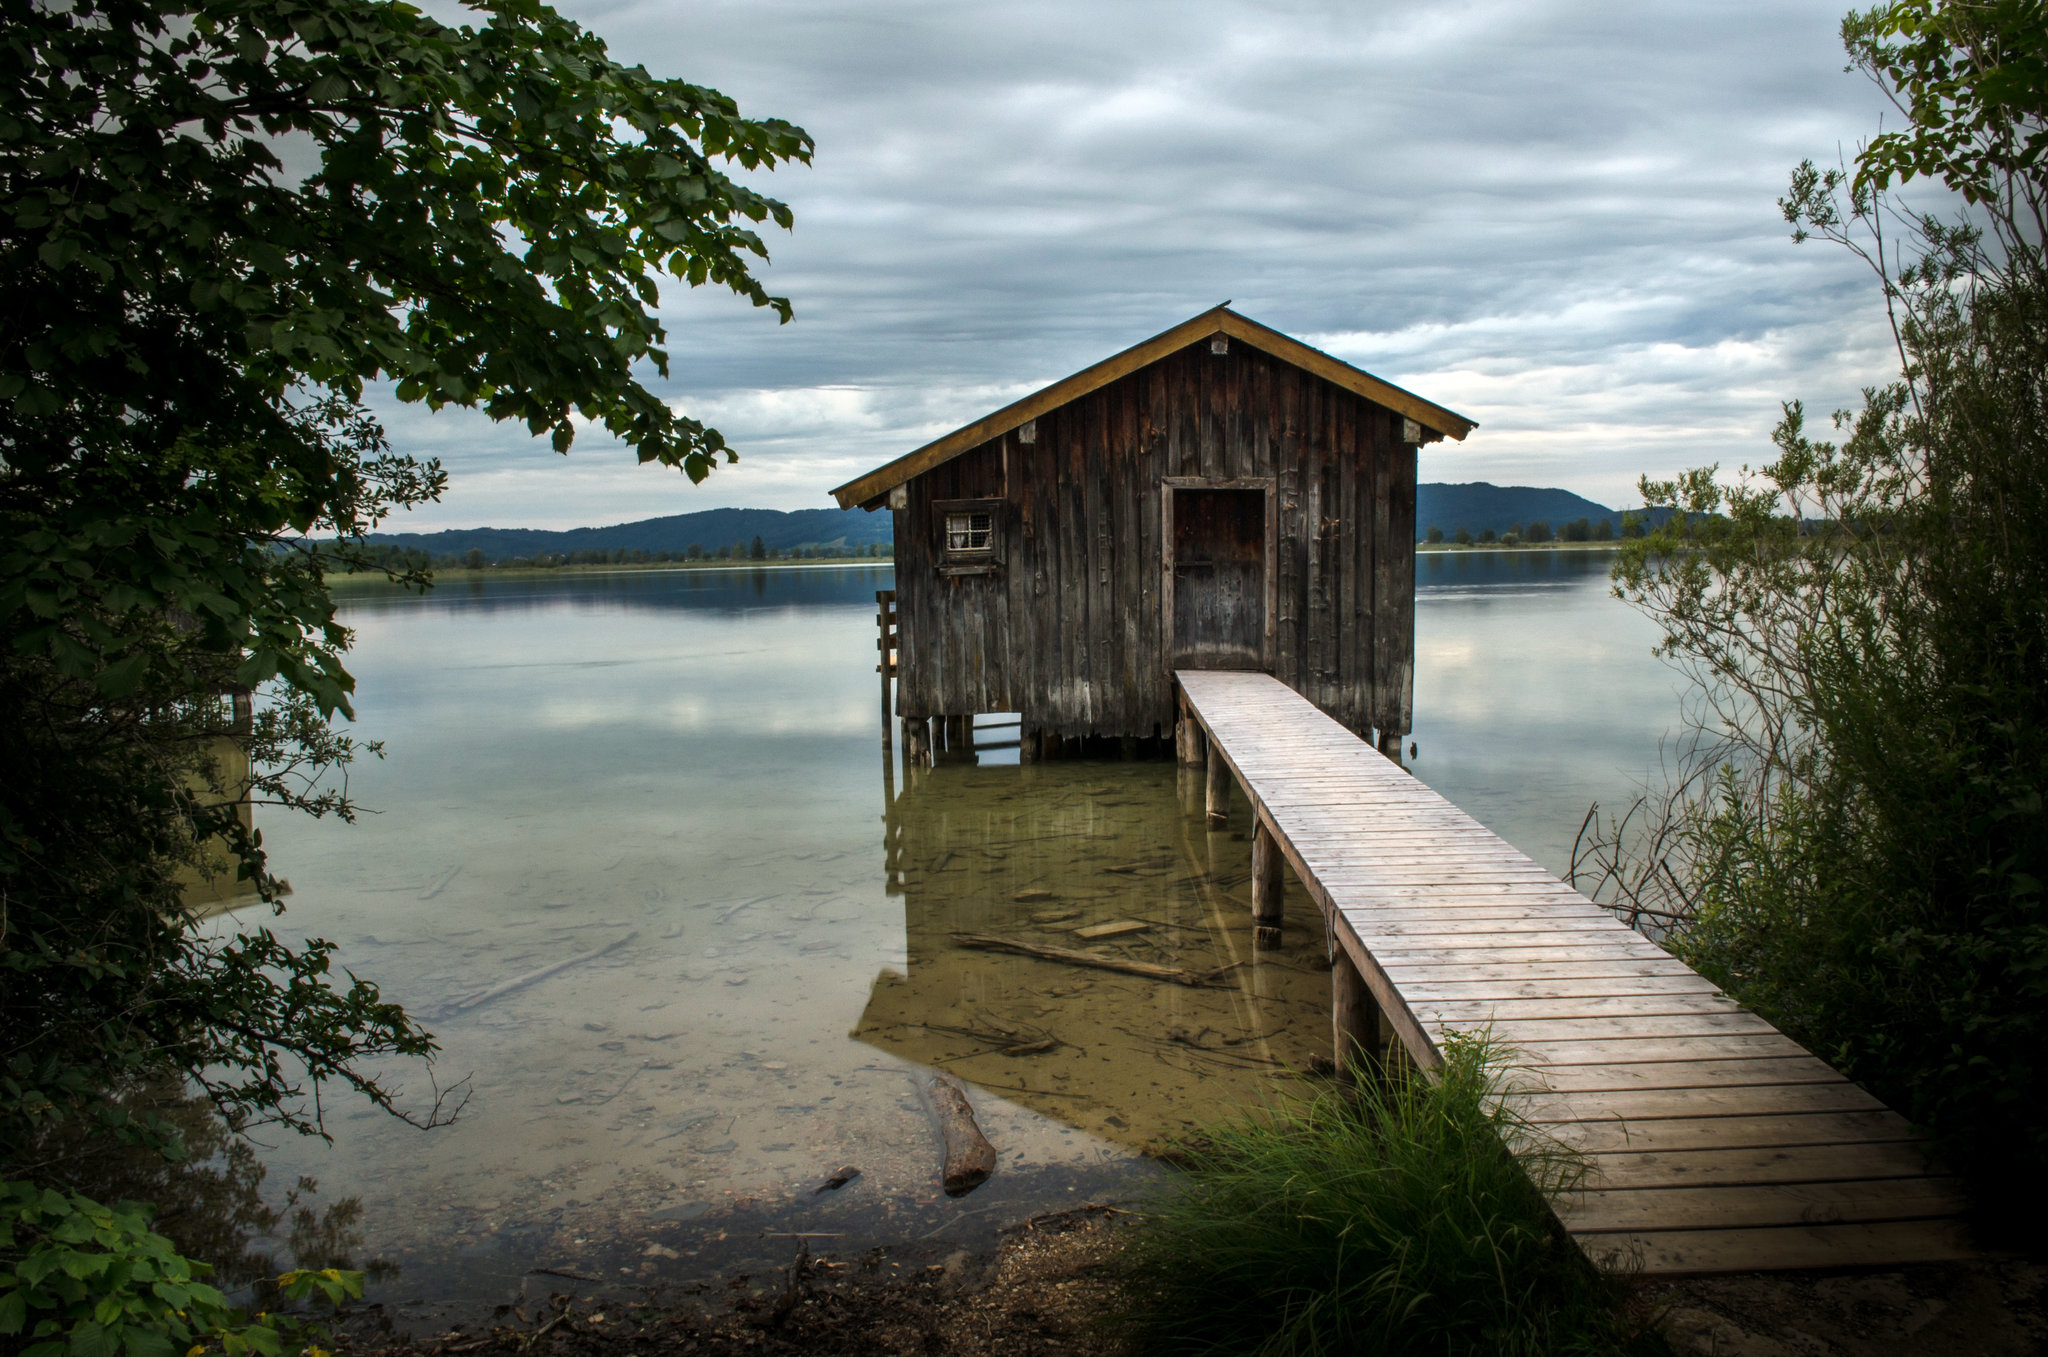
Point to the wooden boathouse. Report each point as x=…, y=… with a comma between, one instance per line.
x=1219, y=496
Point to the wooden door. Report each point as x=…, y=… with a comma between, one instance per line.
x=1219, y=579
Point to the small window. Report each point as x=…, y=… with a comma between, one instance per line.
x=970, y=533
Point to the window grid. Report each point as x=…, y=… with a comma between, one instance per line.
x=970, y=532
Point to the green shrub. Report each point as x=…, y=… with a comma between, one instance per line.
x=1387, y=1221
x=78, y=1279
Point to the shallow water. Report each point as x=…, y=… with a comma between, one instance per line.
x=685, y=767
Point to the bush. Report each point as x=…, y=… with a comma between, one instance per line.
x=78, y=1279
x=1857, y=842
x=1390, y=1221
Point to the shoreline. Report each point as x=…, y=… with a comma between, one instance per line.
x=1438, y=548
x=372, y=580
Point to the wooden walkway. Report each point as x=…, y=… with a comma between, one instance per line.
x=1717, y=1143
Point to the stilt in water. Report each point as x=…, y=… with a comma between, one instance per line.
x=1354, y=1018
x=1219, y=787
x=917, y=742
x=1268, y=885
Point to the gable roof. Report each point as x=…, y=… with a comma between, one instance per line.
x=1434, y=419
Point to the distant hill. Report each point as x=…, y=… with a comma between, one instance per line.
x=708, y=528
x=1477, y=506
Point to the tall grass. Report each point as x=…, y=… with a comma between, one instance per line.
x=1389, y=1220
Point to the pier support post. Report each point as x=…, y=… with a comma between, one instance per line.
x=1187, y=736
x=1354, y=1018
x=1268, y=886
x=1390, y=744
x=1219, y=788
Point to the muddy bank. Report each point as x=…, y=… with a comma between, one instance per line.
x=611, y=1260
x=1045, y=1288
x=1048, y=1286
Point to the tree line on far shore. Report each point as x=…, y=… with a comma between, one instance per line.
x=1580, y=530
x=413, y=558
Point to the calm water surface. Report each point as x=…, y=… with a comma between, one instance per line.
x=685, y=767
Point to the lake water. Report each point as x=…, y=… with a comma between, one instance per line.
x=685, y=768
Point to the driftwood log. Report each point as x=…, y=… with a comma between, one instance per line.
x=538, y=973
x=970, y=1159
x=1172, y=975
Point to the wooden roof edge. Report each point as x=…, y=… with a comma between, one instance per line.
x=866, y=491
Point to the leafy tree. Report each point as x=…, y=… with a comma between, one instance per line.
x=1539, y=531
x=190, y=326
x=1603, y=531
x=1486, y=536
x=1858, y=842
x=473, y=559
x=1434, y=535
x=1631, y=526
x=1464, y=537
x=696, y=552
x=757, y=551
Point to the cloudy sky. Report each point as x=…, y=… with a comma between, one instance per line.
x=1557, y=218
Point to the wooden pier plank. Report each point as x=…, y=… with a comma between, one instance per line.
x=1715, y=1142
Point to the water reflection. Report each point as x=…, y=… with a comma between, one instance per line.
x=1101, y=858
x=208, y=1200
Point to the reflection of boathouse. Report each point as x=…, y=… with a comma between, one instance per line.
x=1218, y=497
x=1029, y=855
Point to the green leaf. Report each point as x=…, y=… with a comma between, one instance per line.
x=92, y=1339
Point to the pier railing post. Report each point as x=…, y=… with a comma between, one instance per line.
x=1219, y=788
x=1354, y=1017
x=1268, y=887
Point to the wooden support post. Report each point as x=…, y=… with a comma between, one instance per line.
x=1187, y=735
x=1127, y=748
x=1027, y=743
x=917, y=742
x=1354, y=1017
x=1390, y=744
x=1219, y=787
x=1268, y=888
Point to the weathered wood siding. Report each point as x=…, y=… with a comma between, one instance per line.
x=1069, y=628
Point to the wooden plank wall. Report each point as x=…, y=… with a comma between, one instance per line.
x=1069, y=631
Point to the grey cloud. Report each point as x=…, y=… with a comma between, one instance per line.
x=1557, y=218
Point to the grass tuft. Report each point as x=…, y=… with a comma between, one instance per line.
x=1385, y=1220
